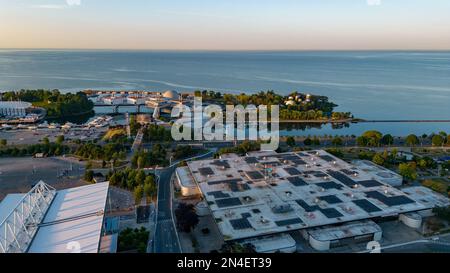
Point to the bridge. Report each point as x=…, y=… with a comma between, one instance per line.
x=117, y=106
x=137, y=141
x=90, y=92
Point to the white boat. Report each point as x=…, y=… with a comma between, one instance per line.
x=67, y=126
x=7, y=126
x=22, y=126
x=52, y=126
x=43, y=125
x=32, y=127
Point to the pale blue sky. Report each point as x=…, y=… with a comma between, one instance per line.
x=225, y=24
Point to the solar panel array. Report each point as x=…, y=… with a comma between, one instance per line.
x=239, y=224
x=297, y=181
x=330, y=199
x=389, y=200
x=206, y=171
x=329, y=185
x=366, y=205
x=292, y=171
x=306, y=207
x=331, y=213
x=226, y=181
x=251, y=160
x=288, y=222
x=327, y=158
x=218, y=194
x=370, y=183
x=342, y=178
x=228, y=202
x=221, y=163
x=254, y=175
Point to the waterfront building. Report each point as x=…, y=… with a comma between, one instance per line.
x=14, y=108
x=45, y=220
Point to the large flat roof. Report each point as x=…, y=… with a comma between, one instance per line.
x=267, y=192
x=8, y=204
x=75, y=215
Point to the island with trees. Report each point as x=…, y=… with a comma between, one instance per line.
x=295, y=107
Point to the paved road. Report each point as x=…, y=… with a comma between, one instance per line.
x=166, y=238
x=439, y=244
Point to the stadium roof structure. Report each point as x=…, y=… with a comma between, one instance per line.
x=266, y=193
x=48, y=221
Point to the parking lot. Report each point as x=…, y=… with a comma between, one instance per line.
x=20, y=174
x=26, y=136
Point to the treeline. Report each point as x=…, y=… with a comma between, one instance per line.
x=300, y=107
x=141, y=184
x=152, y=132
x=133, y=240
x=241, y=149
x=107, y=152
x=261, y=98
x=48, y=149
x=56, y=104
x=374, y=138
x=156, y=156
x=183, y=151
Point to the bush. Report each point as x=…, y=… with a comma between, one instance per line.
x=133, y=239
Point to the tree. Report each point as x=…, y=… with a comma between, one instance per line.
x=89, y=175
x=373, y=137
x=3, y=142
x=290, y=141
x=141, y=161
x=138, y=193
x=59, y=139
x=307, y=142
x=412, y=140
x=237, y=248
x=149, y=186
x=46, y=141
x=408, y=170
x=337, y=141
x=316, y=141
x=140, y=177
x=437, y=140
x=186, y=217
x=361, y=141
x=133, y=239
x=378, y=159
x=387, y=139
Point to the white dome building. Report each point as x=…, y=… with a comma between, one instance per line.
x=171, y=95
x=14, y=108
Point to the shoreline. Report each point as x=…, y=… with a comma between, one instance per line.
x=367, y=121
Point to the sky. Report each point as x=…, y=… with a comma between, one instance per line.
x=226, y=24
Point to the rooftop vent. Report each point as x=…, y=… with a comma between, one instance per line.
x=282, y=208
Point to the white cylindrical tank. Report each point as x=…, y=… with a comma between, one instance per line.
x=412, y=220
x=319, y=245
x=202, y=209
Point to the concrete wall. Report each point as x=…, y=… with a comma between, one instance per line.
x=319, y=245
x=412, y=220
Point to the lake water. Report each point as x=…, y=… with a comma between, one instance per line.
x=371, y=84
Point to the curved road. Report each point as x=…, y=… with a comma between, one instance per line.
x=166, y=239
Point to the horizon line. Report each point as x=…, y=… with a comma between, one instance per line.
x=219, y=50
